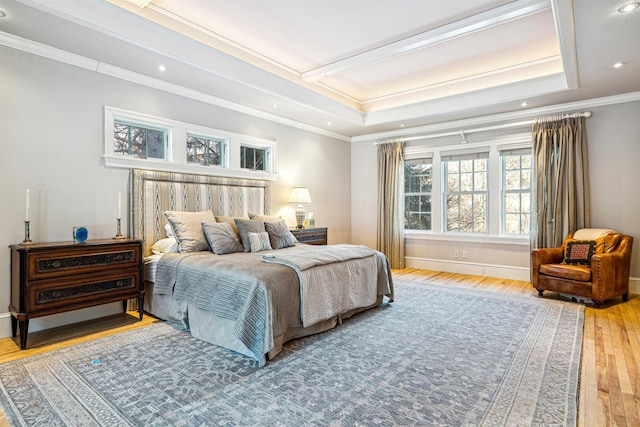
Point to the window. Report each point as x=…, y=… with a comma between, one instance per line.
x=465, y=192
x=205, y=151
x=418, y=181
x=253, y=158
x=516, y=191
x=139, y=141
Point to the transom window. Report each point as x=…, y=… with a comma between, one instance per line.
x=516, y=191
x=134, y=139
x=254, y=158
x=205, y=151
x=418, y=182
x=139, y=141
x=465, y=193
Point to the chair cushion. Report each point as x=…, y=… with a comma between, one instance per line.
x=566, y=271
x=579, y=252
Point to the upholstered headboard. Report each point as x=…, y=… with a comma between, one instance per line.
x=153, y=192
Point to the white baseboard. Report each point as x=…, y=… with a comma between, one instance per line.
x=487, y=270
x=473, y=268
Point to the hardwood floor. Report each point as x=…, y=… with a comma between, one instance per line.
x=610, y=375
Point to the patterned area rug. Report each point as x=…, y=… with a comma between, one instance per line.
x=436, y=356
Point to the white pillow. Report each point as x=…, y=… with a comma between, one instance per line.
x=165, y=246
x=187, y=228
x=168, y=230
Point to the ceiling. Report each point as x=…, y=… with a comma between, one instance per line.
x=351, y=67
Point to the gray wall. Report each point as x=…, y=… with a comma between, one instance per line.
x=51, y=136
x=614, y=155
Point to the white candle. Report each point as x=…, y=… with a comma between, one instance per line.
x=26, y=215
x=119, y=205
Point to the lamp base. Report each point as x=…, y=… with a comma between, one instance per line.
x=300, y=215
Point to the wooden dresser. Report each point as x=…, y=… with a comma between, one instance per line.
x=50, y=278
x=311, y=236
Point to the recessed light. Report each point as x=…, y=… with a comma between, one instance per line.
x=275, y=105
x=162, y=68
x=619, y=64
x=402, y=125
x=524, y=104
x=628, y=7
x=329, y=123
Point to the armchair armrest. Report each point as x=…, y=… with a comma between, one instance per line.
x=610, y=271
x=544, y=256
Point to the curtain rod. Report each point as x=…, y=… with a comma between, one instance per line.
x=484, y=129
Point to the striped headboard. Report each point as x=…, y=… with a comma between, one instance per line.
x=153, y=192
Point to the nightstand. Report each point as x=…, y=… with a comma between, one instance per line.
x=50, y=278
x=311, y=236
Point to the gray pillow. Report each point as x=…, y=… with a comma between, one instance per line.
x=246, y=226
x=279, y=235
x=221, y=238
x=187, y=229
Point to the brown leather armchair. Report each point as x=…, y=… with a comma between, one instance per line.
x=607, y=275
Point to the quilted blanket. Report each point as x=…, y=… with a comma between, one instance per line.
x=335, y=279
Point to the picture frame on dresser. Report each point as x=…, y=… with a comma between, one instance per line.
x=51, y=278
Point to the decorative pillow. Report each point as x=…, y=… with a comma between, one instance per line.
x=168, y=230
x=279, y=235
x=259, y=241
x=231, y=220
x=165, y=246
x=579, y=252
x=221, y=237
x=246, y=226
x=265, y=218
x=187, y=228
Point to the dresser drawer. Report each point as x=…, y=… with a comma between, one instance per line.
x=81, y=290
x=81, y=260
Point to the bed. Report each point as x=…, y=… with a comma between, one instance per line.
x=251, y=302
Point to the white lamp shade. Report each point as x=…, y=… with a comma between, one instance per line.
x=300, y=195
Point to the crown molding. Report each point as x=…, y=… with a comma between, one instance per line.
x=502, y=117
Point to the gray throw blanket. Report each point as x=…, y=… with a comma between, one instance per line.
x=335, y=279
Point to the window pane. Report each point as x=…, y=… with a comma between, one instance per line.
x=453, y=182
x=253, y=158
x=155, y=144
x=512, y=180
x=466, y=165
x=480, y=181
x=466, y=182
x=512, y=162
x=138, y=141
x=512, y=202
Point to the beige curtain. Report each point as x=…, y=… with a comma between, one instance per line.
x=560, y=201
x=391, y=201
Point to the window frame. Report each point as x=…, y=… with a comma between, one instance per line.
x=504, y=191
x=175, y=159
x=436, y=150
x=424, y=159
x=460, y=157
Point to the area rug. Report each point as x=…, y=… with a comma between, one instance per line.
x=436, y=356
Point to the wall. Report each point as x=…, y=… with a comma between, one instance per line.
x=51, y=139
x=614, y=154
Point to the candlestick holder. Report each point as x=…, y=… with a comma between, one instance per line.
x=118, y=235
x=27, y=240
